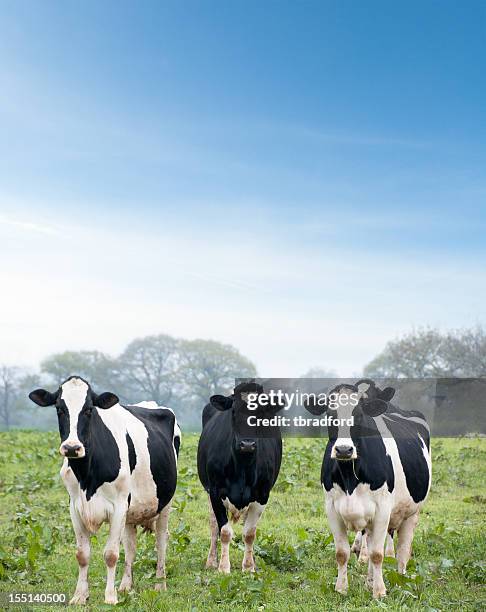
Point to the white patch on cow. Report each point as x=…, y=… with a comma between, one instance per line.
x=177, y=434
x=403, y=504
x=148, y=404
x=358, y=509
x=255, y=510
x=74, y=392
x=417, y=420
x=428, y=459
x=177, y=430
x=143, y=502
x=363, y=389
x=345, y=414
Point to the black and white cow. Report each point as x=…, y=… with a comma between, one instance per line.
x=376, y=475
x=237, y=471
x=120, y=466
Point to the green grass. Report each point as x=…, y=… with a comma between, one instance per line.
x=295, y=553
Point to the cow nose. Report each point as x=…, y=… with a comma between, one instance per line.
x=70, y=450
x=247, y=446
x=344, y=451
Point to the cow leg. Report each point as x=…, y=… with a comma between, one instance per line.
x=130, y=546
x=212, y=560
x=112, y=550
x=360, y=546
x=389, y=548
x=356, y=547
x=83, y=551
x=225, y=532
x=255, y=511
x=162, y=537
x=376, y=543
x=363, y=553
x=405, y=537
x=341, y=544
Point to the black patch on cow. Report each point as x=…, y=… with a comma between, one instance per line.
x=410, y=450
x=129, y=499
x=102, y=461
x=373, y=466
x=413, y=426
x=177, y=444
x=225, y=474
x=132, y=456
x=159, y=423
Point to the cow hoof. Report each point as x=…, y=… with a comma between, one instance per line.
x=111, y=599
x=224, y=569
x=212, y=564
x=363, y=558
x=341, y=588
x=125, y=586
x=248, y=568
x=78, y=599
x=379, y=592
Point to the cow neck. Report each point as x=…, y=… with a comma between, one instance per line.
x=346, y=474
x=245, y=463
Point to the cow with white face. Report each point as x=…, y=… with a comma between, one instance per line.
x=120, y=467
x=376, y=475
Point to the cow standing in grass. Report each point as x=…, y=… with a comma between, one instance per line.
x=237, y=471
x=120, y=467
x=376, y=474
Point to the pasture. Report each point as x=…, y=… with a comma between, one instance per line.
x=294, y=549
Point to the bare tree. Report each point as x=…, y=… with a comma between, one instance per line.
x=208, y=367
x=9, y=380
x=96, y=367
x=430, y=353
x=147, y=368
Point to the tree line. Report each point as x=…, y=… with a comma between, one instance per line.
x=183, y=374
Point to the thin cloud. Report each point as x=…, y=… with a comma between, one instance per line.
x=29, y=226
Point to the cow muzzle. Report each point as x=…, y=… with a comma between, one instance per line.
x=344, y=452
x=72, y=450
x=247, y=446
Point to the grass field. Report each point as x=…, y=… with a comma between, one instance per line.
x=295, y=553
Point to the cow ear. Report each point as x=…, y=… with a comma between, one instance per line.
x=105, y=400
x=387, y=394
x=374, y=407
x=220, y=402
x=43, y=398
x=315, y=407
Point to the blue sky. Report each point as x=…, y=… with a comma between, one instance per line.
x=304, y=180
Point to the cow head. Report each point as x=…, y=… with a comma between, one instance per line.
x=243, y=442
x=353, y=406
x=74, y=401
